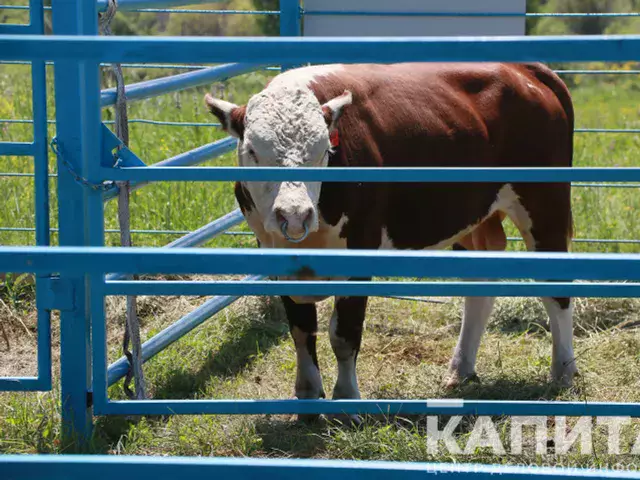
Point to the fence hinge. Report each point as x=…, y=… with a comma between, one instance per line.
x=123, y=157
x=55, y=293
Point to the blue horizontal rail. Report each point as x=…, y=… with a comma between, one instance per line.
x=226, y=145
x=324, y=263
x=156, y=232
x=605, y=185
x=128, y=5
x=177, y=330
x=111, y=122
x=174, y=124
x=199, y=67
x=597, y=72
x=23, y=384
x=16, y=29
x=366, y=407
x=108, y=467
x=371, y=174
x=623, y=241
x=207, y=11
x=137, y=65
x=287, y=50
x=607, y=130
x=375, y=289
x=207, y=124
x=626, y=241
x=170, y=10
x=17, y=148
x=174, y=83
x=381, y=13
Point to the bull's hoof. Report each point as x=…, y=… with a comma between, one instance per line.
x=563, y=374
x=309, y=419
x=344, y=420
x=456, y=380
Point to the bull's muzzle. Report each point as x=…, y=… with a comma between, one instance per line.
x=295, y=226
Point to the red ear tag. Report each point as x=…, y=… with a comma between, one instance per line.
x=334, y=138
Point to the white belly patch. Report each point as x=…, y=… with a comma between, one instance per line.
x=505, y=202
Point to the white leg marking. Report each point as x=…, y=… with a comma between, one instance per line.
x=308, y=379
x=563, y=364
x=385, y=241
x=347, y=383
x=477, y=311
x=506, y=201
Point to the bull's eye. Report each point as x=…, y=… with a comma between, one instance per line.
x=251, y=154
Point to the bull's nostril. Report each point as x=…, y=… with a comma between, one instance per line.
x=280, y=216
x=307, y=215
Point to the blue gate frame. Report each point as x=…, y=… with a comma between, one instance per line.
x=100, y=467
x=38, y=149
x=75, y=277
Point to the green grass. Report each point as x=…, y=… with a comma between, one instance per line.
x=245, y=351
x=162, y=206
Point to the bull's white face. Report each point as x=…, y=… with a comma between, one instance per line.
x=284, y=126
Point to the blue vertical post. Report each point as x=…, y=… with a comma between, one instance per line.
x=77, y=89
x=41, y=185
x=289, y=22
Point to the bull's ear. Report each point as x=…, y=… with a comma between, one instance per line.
x=332, y=110
x=231, y=116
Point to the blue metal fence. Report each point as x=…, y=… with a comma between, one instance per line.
x=38, y=149
x=75, y=277
x=101, y=467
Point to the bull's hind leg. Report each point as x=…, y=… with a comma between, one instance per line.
x=563, y=364
x=542, y=213
x=475, y=317
x=477, y=310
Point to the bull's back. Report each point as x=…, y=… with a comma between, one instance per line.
x=461, y=114
x=442, y=115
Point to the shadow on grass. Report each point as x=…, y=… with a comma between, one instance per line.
x=291, y=438
x=110, y=433
x=495, y=390
x=239, y=351
x=508, y=389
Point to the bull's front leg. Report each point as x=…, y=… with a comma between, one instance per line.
x=303, y=325
x=345, y=332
